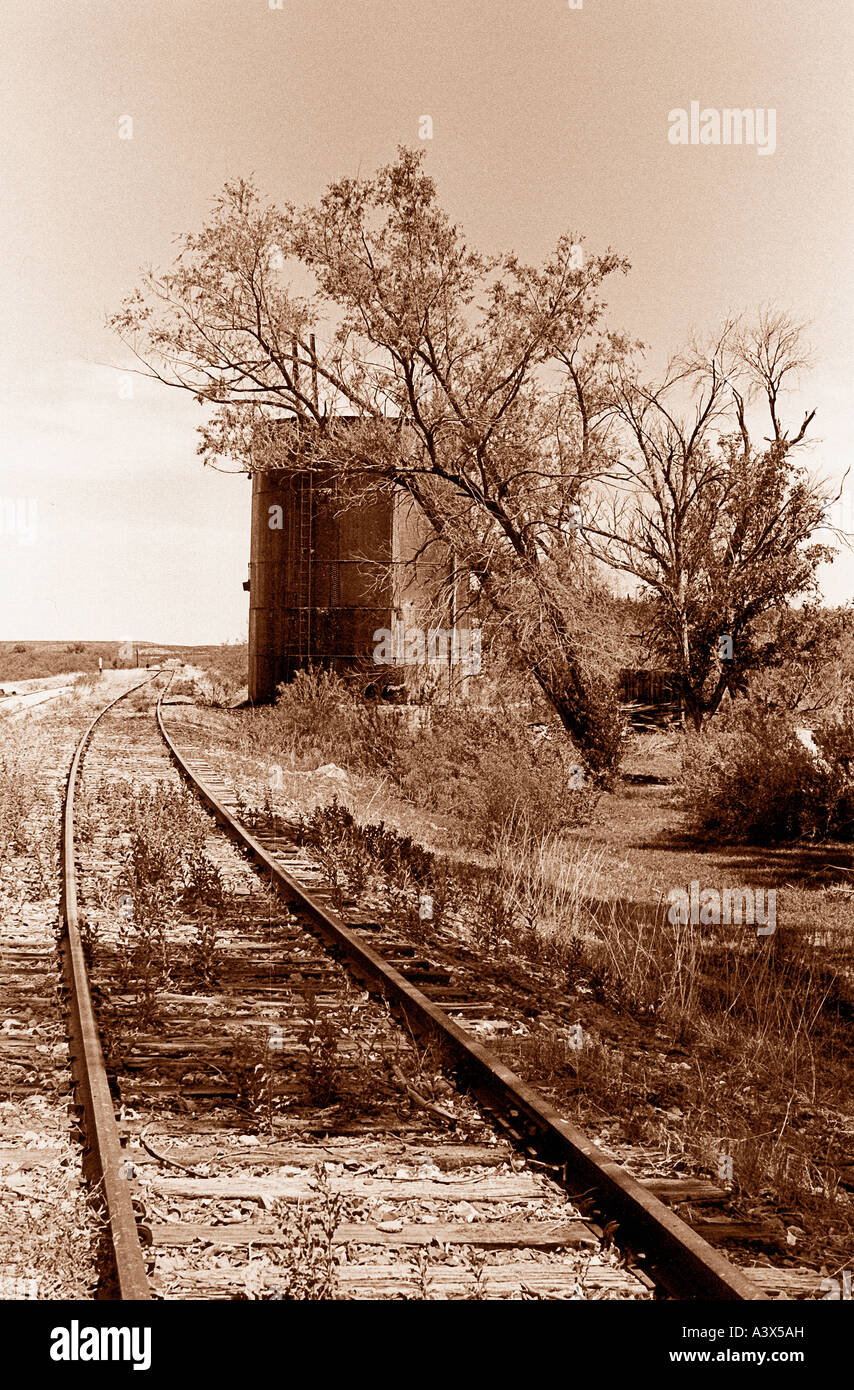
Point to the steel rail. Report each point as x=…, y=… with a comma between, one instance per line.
x=104, y=1158
x=675, y=1256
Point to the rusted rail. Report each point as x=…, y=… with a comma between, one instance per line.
x=680, y=1261
x=104, y=1159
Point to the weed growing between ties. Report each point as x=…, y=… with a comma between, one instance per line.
x=301, y=1266
x=474, y=1263
x=319, y=1032
x=255, y=1071
x=205, y=895
x=164, y=870
x=339, y=1052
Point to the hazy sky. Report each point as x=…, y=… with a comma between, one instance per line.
x=546, y=118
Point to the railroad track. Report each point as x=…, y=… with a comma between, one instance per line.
x=15, y=706
x=304, y=1114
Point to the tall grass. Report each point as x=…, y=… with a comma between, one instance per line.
x=480, y=768
x=757, y=1012
x=23, y=791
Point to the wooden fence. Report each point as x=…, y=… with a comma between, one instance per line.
x=647, y=687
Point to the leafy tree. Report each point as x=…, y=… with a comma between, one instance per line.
x=717, y=528
x=809, y=661
x=472, y=382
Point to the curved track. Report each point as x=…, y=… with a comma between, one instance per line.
x=680, y=1262
x=104, y=1159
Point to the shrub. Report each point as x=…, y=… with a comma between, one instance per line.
x=484, y=768
x=217, y=689
x=319, y=716
x=751, y=778
x=835, y=742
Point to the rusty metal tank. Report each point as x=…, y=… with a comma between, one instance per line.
x=332, y=563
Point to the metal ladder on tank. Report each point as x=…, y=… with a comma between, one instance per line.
x=304, y=556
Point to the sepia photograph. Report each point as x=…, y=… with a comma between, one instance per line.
x=426, y=677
